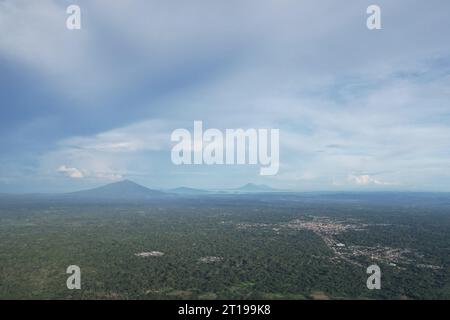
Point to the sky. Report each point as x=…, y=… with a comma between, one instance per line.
x=357, y=109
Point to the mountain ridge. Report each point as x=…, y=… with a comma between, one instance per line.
x=124, y=189
x=252, y=187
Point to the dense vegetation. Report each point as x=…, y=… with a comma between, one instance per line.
x=39, y=240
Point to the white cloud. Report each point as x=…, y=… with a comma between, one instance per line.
x=113, y=154
x=108, y=176
x=76, y=173
x=70, y=172
x=365, y=180
x=140, y=136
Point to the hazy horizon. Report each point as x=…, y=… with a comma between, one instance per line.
x=235, y=188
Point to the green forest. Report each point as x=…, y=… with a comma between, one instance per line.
x=224, y=249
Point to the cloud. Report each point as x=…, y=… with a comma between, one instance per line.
x=365, y=180
x=129, y=151
x=136, y=137
x=70, y=172
x=344, y=98
x=76, y=173
x=108, y=176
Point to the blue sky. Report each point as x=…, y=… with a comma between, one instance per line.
x=356, y=109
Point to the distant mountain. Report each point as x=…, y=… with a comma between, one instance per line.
x=251, y=187
x=186, y=190
x=122, y=190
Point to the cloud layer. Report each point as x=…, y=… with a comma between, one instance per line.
x=356, y=109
